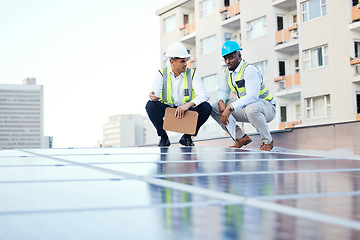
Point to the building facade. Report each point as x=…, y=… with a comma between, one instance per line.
x=124, y=131
x=21, y=115
x=308, y=51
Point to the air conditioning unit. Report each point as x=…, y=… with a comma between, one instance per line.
x=294, y=34
x=358, y=6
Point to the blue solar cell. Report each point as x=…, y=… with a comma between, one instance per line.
x=177, y=193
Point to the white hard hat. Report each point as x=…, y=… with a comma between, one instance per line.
x=176, y=50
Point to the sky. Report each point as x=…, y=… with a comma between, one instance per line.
x=95, y=59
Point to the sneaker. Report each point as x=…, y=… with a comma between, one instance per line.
x=164, y=142
x=186, y=141
x=245, y=140
x=267, y=147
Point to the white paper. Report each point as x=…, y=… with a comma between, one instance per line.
x=231, y=127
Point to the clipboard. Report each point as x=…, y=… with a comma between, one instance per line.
x=186, y=125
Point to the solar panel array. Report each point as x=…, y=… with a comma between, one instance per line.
x=177, y=193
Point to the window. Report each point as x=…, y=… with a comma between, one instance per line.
x=256, y=28
x=313, y=9
x=281, y=68
x=357, y=49
x=316, y=57
x=358, y=103
x=186, y=18
x=294, y=19
x=318, y=107
x=227, y=36
x=263, y=68
x=280, y=23
x=296, y=63
x=211, y=83
x=283, y=114
x=169, y=24
x=207, y=7
x=208, y=45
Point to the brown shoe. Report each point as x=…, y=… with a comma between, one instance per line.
x=245, y=140
x=267, y=147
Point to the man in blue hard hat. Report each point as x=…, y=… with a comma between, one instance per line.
x=253, y=102
x=179, y=87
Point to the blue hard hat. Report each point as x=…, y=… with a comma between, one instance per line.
x=229, y=47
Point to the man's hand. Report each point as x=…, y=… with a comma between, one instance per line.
x=225, y=116
x=153, y=97
x=222, y=106
x=180, y=111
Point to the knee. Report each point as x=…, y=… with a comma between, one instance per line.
x=207, y=108
x=153, y=107
x=150, y=105
x=252, y=112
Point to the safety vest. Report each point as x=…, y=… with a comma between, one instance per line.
x=165, y=95
x=239, y=88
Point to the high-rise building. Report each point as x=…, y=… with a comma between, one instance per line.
x=308, y=51
x=123, y=131
x=21, y=115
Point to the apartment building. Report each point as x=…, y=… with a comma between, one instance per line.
x=308, y=51
x=21, y=115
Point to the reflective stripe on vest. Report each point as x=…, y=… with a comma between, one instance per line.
x=165, y=95
x=239, y=88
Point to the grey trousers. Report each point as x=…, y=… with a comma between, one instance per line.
x=257, y=114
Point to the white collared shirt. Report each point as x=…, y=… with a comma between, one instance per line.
x=253, y=81
x=177, y=91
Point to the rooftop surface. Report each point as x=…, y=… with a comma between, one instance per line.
x=177, y=193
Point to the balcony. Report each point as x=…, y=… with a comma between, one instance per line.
x=289, y=80
x=189, y=32
x=232, y=14
x=355, y=13
x=355, y=18
x=288, y=86
x=355, y=64
x=285, y=4
x=286, y=40
x=284, y=125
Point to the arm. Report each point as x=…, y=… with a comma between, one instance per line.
x=223, y=95
x=252, y=86
x=201, y=95
x=154, y=95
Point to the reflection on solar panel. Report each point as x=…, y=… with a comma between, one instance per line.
x=176, y=193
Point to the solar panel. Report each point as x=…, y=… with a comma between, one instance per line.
x=177, y=193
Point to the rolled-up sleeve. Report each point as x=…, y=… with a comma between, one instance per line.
x=201, y=95
x=157, y=84
x=224, y=89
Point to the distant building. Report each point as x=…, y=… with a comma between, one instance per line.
x=123, y=131
x=21, y=115
x=150, y=136
x=48, y=142
x=307, y=50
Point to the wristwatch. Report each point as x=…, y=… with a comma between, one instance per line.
x=231, y=108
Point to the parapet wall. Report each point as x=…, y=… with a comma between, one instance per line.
x=343, y=137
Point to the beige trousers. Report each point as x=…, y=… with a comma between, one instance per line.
x=257, y=114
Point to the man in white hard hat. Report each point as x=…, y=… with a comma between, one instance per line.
x=179, y=87
x=254, y=103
